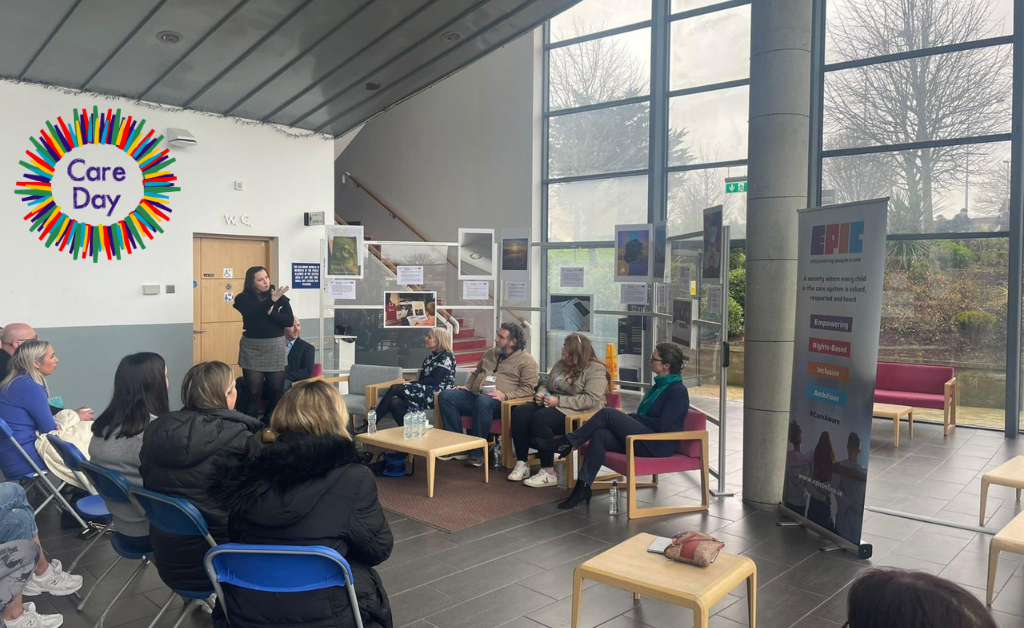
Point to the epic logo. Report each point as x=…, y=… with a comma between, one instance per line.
x=843, y=238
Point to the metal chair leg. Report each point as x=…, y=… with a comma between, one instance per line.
x=184, y=612
x=88, y=547
x=81, y=604
x=138, y=570
x=162, y=610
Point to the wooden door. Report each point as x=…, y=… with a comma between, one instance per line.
x=217, y=326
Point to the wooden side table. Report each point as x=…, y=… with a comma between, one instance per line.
x=1010, y=473
x=630, y=567
x=895, y=412
x=431, y=445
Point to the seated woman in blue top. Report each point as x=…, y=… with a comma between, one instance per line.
x=23, y=404
x=662, y=409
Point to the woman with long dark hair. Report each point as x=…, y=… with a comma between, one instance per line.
x=266, y=313
x=896, y=598
x=576, y=385
x=140, y=395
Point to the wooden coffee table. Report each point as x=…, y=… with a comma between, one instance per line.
x=895, y=412
x=1010, y=473
x=629, y=566
x=434, y=443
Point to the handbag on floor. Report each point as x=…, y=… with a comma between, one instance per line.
x=694, y=548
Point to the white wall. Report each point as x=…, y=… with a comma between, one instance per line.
x=460, y=154
x=283, y=176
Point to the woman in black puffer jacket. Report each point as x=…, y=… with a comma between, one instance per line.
x=179, y=451
x=304, y=487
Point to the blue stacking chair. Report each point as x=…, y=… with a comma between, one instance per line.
x=91, y=507
x=114, y=487
x=174, y=515
x=280, y=569
x=38, y=478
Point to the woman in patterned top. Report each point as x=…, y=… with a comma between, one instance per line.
x=437, y=373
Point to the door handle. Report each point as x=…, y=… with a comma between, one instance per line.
x=198, y=331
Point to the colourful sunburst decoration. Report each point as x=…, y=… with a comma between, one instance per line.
x=80, y=238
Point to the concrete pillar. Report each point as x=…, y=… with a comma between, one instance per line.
x=780, y=97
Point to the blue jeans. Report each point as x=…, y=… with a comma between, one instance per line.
x=458, y=403
x=17, y=519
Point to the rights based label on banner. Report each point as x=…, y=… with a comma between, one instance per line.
x=839, y=308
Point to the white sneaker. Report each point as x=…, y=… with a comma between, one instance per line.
x=454, y=457
x=54, y=582
x=520, y=472
x=541, y=479
x=31, y=619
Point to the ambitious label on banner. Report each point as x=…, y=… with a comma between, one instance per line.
x=840, y=264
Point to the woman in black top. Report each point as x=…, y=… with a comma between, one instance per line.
x=261, y=351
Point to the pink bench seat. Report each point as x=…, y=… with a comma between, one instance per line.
x=918, y=386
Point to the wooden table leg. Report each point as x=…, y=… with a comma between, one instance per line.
x=752, y=599
x=896, y=437
x=430, y=474
x=700, y=617
x=984, y=499
x=487, y=468
x=910, y=419
x=577, y=595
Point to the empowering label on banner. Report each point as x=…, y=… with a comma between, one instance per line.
x=838, y=314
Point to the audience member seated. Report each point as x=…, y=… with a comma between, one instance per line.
x=436, y=374
x=506, y=371
x=179, y=452
x=895, y=598
x=18, y=524
x=140, y=395
x=577, y=385
x=301, y=355
x=662, y=409
x=305, y=487
x=12, y=337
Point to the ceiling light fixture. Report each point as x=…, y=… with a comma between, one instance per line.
x=451, y=37
x=372, y=86
x=169, y=37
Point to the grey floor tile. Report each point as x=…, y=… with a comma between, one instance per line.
x=618, y=529
x=815, y=622
x=409, y=550
x=790, y=547
x=658, y=614
x=475, y=581
x=489, y=528
x=492, y=609
x=399, y=578
x=486, y=549
x=547, y=529
x=560, y=550
x=896, y=528
x=834, y=608
x=758, y=526
x=409, y=528
x=522, y=622
x=930, y=546
x=599, y=604
x=417, y=603
x=971, y=569
x=778, y=606
x=1011, y=598
x=557, y=581
x=822, y=574
x=908, y=562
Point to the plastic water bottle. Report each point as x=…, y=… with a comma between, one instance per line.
x=407, y=424
x=421, y=422
x=613, y=499
x=371, y=422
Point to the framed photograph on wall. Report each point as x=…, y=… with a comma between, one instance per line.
x=682, y=322
x=410, y=309
x=476, y=254
x=515, y=254
x=344, y=252
x=633, y=253
x=571, y=312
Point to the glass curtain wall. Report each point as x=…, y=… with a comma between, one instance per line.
x=915, y=104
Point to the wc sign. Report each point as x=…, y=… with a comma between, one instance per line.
x=96, y=185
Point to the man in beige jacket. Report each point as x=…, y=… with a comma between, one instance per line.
x=506, y=371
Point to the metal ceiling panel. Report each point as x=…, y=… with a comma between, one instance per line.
x=34, y=22
x=248, y=27
x=363, y=29
x=437, y=18
x=301, y=63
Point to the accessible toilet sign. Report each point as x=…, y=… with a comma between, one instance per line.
x=96, y=185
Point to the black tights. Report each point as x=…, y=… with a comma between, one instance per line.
x=393, y=401
x=254, y=384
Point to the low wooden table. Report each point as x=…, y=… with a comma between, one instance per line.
x=1010, y=473
x=630, y=567
x=895, y=412
x=434, y=443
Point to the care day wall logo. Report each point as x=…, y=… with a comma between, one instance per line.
x=81, y=176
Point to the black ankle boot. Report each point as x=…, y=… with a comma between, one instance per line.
x=581, y=492
x=558, y=445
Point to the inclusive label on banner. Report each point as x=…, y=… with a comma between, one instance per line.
x=839, y=310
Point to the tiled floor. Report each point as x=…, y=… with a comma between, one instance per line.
x=516, y=571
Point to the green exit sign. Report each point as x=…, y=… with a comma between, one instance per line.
x=735, y=187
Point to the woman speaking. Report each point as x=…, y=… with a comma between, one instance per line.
x=261, y=351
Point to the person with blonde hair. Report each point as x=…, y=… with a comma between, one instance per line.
x=436, y=374
x=23, y=404
x=305, y=487
x=178, y=455
x=576, y=385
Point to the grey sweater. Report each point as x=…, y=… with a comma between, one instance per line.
x=122, y=455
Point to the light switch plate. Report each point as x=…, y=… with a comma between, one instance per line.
x=150, y=289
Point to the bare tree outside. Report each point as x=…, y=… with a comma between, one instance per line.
x=936, y=97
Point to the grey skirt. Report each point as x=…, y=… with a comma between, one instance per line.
x=266, y=355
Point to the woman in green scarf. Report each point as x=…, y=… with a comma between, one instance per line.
x=662, y=409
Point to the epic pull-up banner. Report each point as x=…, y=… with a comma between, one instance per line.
x=839, y=309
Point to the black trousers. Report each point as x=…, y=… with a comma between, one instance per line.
x=393, y=401
x=530, y=422
x=606, y=431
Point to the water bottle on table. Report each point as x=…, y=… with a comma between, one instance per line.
x=407, y=424
x=371, y=422
x=613, y=499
